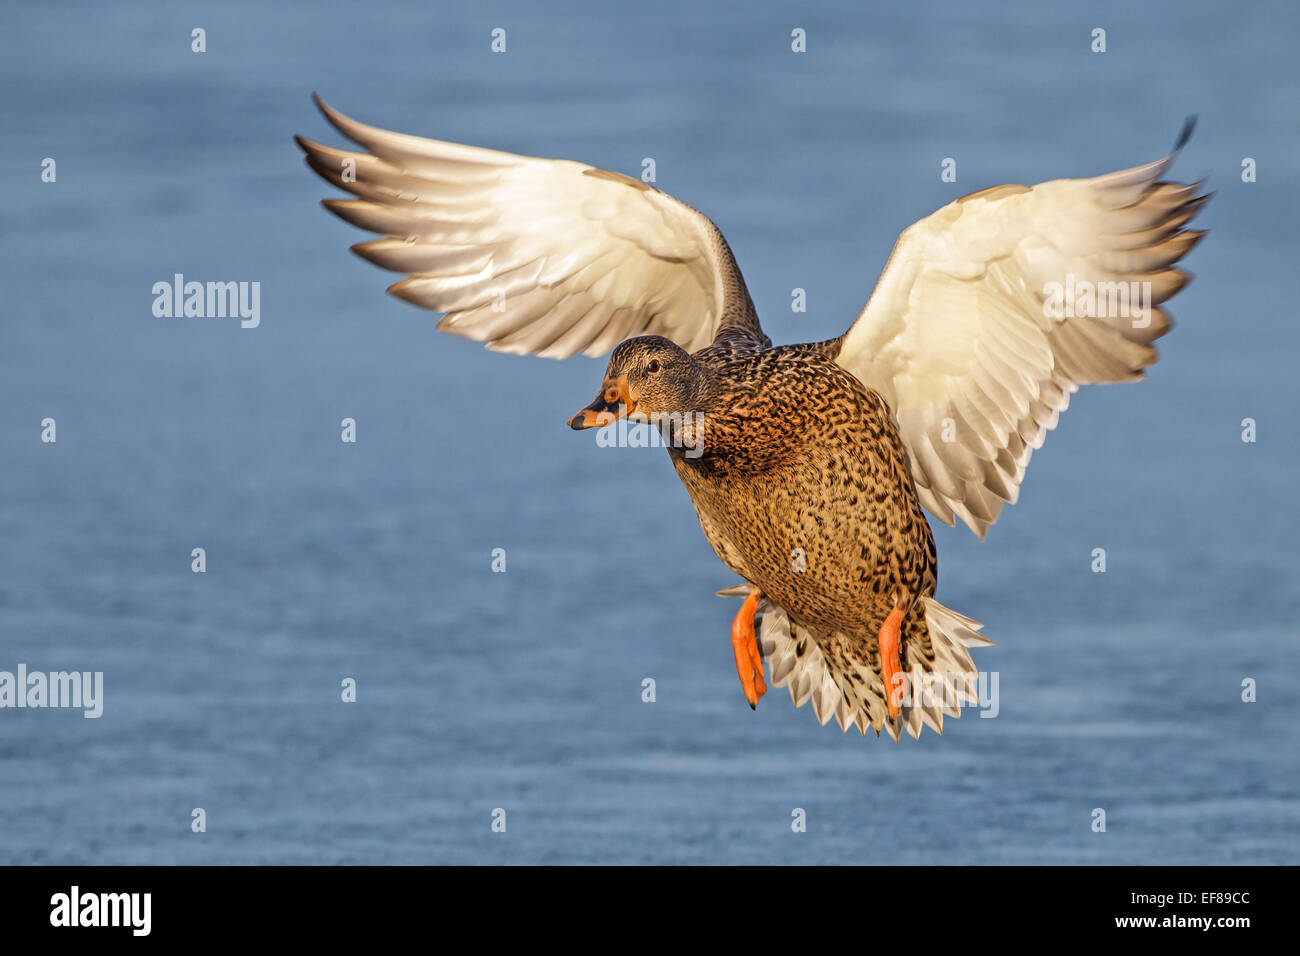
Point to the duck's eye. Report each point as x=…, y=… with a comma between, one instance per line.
x=652, y=366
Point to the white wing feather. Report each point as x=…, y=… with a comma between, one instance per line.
x=961, y=338
x=532, y=256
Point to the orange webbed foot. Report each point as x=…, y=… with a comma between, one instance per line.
x=744, y=644
x=891, y=671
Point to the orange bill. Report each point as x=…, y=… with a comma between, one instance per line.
x=613, y=402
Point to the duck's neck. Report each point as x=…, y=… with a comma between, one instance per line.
x=685, y=431
x=719, y=432
x=704, y=397
x=743, y=430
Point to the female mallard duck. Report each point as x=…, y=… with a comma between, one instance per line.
x=808, y=465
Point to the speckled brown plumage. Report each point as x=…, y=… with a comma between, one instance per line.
x=803, y=489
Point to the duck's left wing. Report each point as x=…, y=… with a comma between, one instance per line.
x=993, y=310
x=533, y=256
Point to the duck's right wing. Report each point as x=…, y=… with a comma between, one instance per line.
x=533, y=256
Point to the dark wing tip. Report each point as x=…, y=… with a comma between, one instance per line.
x=345, y=125
x=1189, y=126
x=330, y=113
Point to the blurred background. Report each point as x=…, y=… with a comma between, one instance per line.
x=522, y=690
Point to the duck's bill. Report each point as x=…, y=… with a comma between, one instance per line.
x=610, y=405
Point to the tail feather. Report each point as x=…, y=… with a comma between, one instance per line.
x=795, y=662
x=853, y=692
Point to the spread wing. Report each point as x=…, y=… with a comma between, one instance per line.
x=993, y=310
x=533, y=256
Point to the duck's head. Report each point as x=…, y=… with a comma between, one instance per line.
x=647, y=376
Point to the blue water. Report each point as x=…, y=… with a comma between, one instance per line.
x=522, y=690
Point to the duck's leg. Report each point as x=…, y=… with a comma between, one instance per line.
x=890, y=668
x=749, y=662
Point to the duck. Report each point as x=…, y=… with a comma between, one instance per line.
x=811, y=466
